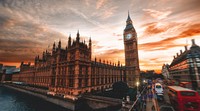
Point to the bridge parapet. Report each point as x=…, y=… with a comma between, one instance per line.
x=100, y=102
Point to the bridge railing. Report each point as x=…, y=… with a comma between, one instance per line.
x=138, y=98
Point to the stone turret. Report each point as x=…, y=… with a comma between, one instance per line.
x=193, y=42
x=43, y=56
x=90, y=43
x=77, y=36
x=59, y=44
x=69, y=41
x=54, y=48
x=186, y=48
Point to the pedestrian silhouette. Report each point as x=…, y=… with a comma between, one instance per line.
x=153, y=108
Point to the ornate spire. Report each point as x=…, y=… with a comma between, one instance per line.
x=90, y=43
x=118, y=62
x=59, y=44
x=36, y=58
x=194, y=46
x=43, y=56
x=77, y=36
x=193, y=42
x=129, y=18
x=54, y=46
x=78, y=31
x=90, y=40
x=69, y=41
x=129, y=24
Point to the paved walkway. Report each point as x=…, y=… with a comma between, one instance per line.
x=149, y=105
x=150, y=101
x=153, y=102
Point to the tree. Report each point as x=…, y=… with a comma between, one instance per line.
x=120, y=89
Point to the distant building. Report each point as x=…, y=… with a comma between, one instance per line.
x=7, y=71
x=6, y=77
x=165, y=71
x=10, y=69
x=1, y=71
x=1, y=68
x=149, y=74
x=185, y=67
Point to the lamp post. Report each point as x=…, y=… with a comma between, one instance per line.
x=144, y=81
x=137, y=84
x=137, y=96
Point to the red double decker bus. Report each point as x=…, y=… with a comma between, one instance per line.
x=183, y=99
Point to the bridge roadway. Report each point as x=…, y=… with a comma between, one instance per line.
x=154, y=101
x=100, y=102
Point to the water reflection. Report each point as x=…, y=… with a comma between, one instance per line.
x=11, y=100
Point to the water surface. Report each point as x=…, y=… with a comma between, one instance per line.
x=11, y=100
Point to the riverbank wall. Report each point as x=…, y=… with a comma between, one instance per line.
x=68, y=104
x=85, y=103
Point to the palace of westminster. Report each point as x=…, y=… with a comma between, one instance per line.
x=71, y=71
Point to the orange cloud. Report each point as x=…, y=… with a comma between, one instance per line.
x=115, y=34
x=100, y=3
x=152, y=28
x=113, y=55
x=8, y=23
x=167, y=43
x=157, y=14
x=152, y=63
x=109, y=12
x=17, y=64
x=22, y=41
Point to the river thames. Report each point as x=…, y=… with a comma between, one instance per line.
x=11, y=100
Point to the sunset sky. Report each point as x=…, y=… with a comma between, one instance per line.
x=164, y=27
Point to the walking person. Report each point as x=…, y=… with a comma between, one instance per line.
x=150, y=95
x=153, y=108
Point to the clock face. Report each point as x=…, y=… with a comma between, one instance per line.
x=128, y=36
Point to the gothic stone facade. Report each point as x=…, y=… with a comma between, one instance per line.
x=131, y=53
x=71, y=71
x=185, y=67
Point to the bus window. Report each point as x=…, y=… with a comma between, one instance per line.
x=185, y=93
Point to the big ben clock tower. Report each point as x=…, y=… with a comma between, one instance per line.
x=131, y=54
